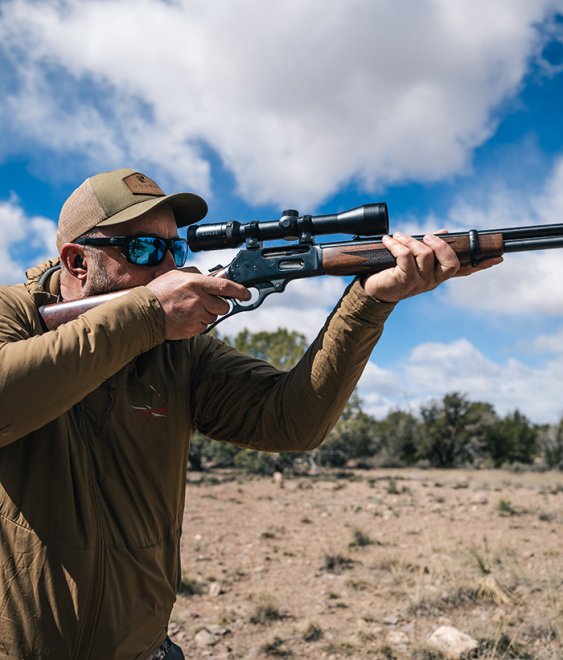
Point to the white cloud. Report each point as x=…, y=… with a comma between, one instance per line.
x=295, y=98
x=432, y=370
x=526, y=283
x=552, y=343
x=35, y=235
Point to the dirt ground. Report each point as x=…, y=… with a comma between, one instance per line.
x=367, y=564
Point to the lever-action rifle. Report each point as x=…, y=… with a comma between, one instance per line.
x=267, y=270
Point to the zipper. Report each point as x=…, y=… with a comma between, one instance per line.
x=106, y=464
x=87, y=627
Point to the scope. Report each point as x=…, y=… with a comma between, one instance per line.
x=366, y=220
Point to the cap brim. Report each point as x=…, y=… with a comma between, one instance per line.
x=187, y=207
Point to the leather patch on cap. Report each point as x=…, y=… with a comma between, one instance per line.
x=139, y=184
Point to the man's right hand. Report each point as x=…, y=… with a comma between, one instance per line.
x=191, y=301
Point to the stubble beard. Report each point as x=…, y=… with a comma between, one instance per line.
x=98, y=284
x=99, y=280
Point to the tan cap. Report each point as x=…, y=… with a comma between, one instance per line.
x=118, y=196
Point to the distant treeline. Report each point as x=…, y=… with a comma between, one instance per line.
x=453, y=432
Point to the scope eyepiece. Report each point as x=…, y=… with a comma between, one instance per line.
x=366, y=220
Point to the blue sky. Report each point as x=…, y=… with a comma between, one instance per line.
x=448, y=110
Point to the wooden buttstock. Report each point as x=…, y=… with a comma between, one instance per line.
x=58, y=313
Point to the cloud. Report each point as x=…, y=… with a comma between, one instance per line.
x=552, y=343
x=526, y=286
x=528, y=282
x=432, y=370
x=34, y=235
x=295, y=98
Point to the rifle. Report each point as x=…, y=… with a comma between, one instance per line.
x=268, y=270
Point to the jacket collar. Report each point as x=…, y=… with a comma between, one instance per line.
x=43, y=282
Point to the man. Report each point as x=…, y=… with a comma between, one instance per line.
x=96, y=416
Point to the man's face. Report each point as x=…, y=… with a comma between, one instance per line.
x=109, y=270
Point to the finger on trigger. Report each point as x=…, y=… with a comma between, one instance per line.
x=213, y=304
x=219, y=286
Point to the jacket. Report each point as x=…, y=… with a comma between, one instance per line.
x=95, y=423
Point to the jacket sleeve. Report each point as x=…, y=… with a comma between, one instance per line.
x=43, y=374
x=250, y=403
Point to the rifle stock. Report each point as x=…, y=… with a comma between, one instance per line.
x=56, y=314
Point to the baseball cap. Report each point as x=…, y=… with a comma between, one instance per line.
x=111, y=198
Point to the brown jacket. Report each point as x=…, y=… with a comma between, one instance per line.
x=95, y=423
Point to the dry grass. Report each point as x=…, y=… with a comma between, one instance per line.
x=369, y=564
x=266, y=611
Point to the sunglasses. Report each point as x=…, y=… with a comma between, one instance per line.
x=143, y=250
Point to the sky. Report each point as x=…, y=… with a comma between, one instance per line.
x=449, y=111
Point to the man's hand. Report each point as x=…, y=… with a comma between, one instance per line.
x=421, y=266
x=191, y=301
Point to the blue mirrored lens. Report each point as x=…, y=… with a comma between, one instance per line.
x=179, y=251
x=147, y=250
x=151, y=250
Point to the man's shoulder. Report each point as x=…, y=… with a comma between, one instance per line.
x=13, y=292
x=17, y=310
x=22, y=299
x=43, y=281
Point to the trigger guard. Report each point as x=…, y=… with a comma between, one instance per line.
x=264, y=290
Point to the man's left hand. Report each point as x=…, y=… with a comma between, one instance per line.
x=421, y=266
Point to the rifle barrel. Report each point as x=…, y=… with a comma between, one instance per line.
x=527, y=244
x=527, y=232
x=521, y=239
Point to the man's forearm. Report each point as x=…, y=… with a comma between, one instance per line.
x=46, y=374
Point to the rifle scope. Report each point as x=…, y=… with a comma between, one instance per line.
x=366, y=220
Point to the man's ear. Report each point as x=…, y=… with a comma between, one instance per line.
x=74, y=258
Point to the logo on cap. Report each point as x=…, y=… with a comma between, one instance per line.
x=139, y=184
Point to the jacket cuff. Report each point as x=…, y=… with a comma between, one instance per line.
x=367, y=309
x=152, y=311
x=140, y=309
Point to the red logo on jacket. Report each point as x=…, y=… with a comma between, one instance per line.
x=147, y=410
